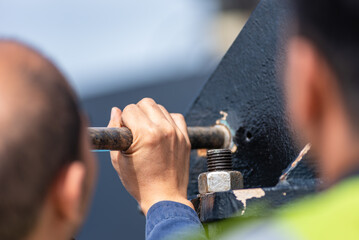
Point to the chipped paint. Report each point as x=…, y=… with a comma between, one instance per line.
x=202, y=152
x=246, y=194
x=224, y=115
x=295, y=163
x=247, y=86
x=222, y=122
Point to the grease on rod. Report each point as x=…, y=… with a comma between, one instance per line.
x=120, y=139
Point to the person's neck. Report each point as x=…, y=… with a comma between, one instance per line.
x=340, y=163
x=337, y=145
x=49, y=226
x=351, y=169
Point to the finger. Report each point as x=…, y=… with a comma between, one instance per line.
x=153, y=112
x=181, y=124
x=138, y=123
x=170, y=118
x=116, y=158
x=173, y=122
x=115, y=120
x=167, y=114
x=135, y=119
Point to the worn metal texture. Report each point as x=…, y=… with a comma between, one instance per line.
x=247, y=86
x=121, y=138
x=208, y=137
x=110, y=138
x=219, y=181
x=219, y=160
x=249, y=202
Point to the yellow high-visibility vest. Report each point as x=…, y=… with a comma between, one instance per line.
x=332, y=214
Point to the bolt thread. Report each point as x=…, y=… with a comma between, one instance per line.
x=219, y=160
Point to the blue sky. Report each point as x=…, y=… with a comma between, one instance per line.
x=115, y=44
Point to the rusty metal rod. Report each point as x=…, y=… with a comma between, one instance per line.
x=120, y=139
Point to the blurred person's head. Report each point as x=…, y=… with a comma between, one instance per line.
x=323, y=83
x=46, y=168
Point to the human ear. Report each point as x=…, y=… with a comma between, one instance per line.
x=303, y=69
x=68, y=193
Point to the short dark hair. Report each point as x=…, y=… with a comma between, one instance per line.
x=333, y=27
x=41, y=137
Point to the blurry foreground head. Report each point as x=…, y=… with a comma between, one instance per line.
x=46, y=169
x=323, y=83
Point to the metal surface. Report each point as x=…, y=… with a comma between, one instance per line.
x=220, y=176
x=253, y=202
x=219, y=181
x=110, y=138
x=217, y=136
x=247, y=85
x=120, y=139
x=295, y=163
x=219, y=160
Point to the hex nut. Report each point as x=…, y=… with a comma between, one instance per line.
x=219, y=181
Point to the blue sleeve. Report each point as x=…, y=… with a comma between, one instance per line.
x=172, y=220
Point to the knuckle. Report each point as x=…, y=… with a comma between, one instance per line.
x=147, y=101
x=168, y=131
x=179, y=119
x=164, y=110
x=179, y=116
x=129, y=108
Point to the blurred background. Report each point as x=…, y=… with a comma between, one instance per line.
x=115, y=52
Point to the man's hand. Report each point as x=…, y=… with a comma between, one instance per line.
x=156, y=166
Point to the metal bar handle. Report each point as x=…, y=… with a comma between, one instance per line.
x=120, y=139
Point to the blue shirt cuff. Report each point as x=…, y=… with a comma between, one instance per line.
x=166, y=218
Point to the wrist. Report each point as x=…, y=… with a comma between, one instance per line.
x=146, y=205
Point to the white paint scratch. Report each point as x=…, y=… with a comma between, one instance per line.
x=245, y=194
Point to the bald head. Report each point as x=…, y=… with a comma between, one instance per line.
x=39, y=134
x=24, y=75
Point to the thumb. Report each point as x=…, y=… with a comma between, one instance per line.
x=115, y=120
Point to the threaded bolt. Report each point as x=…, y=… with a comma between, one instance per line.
x=219, y=160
